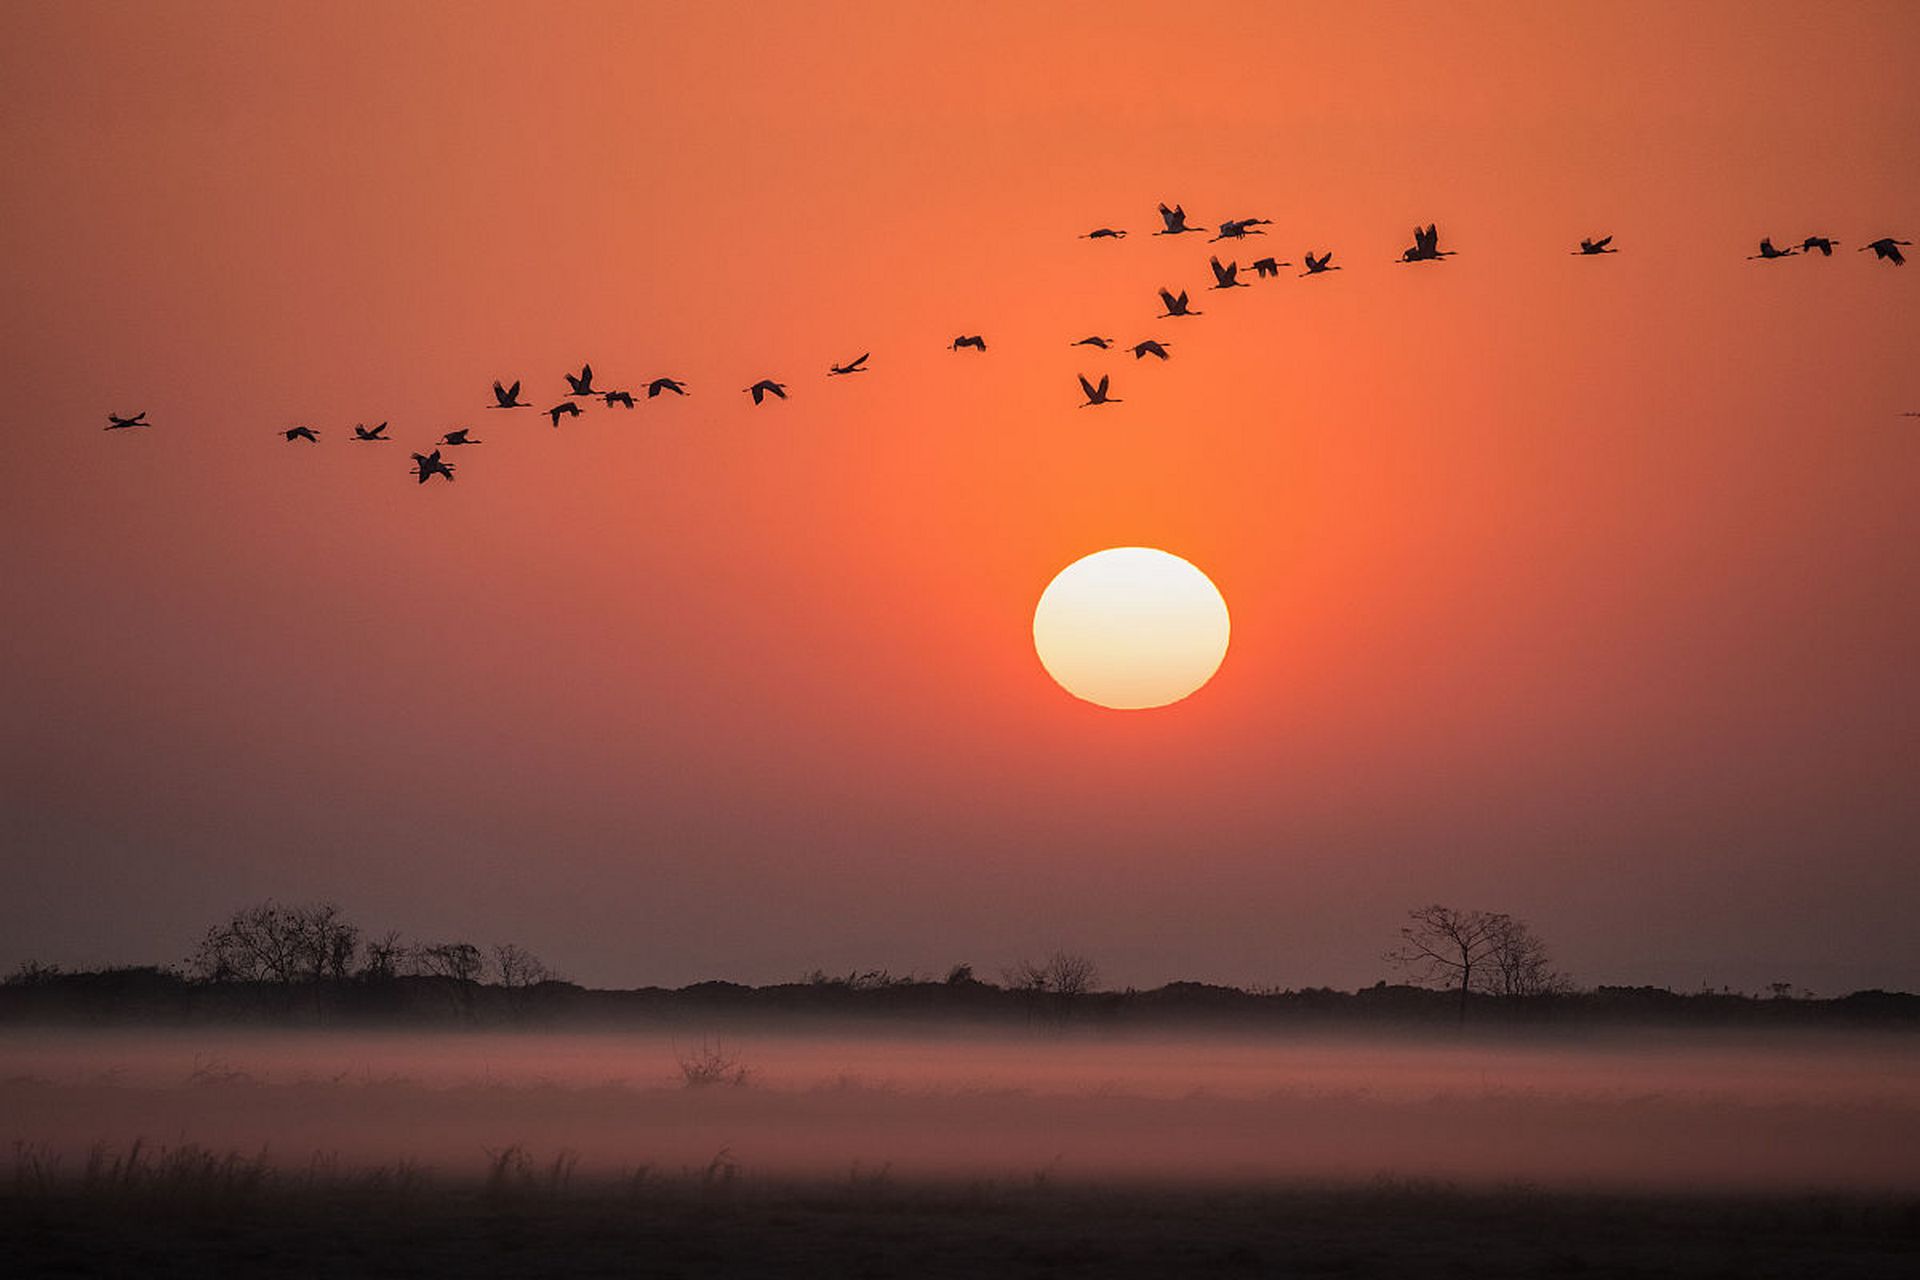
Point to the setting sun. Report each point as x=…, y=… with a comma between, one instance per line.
x=1131, y=628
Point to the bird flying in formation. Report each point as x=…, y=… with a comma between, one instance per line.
x=361, y=431
x=1264, y=267
x=658, y=385
x=1093, y=341
x=458, y=437
x=428, y=465
x=117, y=423
x=1823, y=243
x=1241, y=228
x=567, y=407
x=1223, y=277
x=1141, y=350
x=1768, y=252
x=1887, y=249
x=851, y=366
x=617, y=397
x=1176, y=305
x=1426, y=246
x=508, y=397
x=302, y=433
x=582, y=385
x=975, y=341
x=1588, y=248
x=1104, y=233
x=1096, y=392
x=766, y=386
x=1176, y=222
x=1318, y=266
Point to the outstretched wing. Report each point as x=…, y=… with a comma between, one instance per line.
x=1087, y=387
x=1167, y=299
x=1102, y=389
x=1603, y=242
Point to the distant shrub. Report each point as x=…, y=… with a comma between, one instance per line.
x=710, y=1065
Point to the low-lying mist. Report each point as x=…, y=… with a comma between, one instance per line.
x=1693, y=1111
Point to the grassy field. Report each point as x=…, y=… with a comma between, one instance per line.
x=188, y=1211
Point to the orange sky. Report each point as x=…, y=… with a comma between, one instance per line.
x=1582, y=589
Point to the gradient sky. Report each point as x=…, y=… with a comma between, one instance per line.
x=1581, y=589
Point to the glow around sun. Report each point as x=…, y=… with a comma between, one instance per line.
x=1131, y=628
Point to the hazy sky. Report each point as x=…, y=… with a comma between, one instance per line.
x=1579, y=588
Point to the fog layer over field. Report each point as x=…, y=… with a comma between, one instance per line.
x=1699, y=1111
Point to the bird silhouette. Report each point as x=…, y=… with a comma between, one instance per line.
x=1588, y=248
x=1768, y=252
x=658, y=385
x=1225, y=277
x=1318, y=266
x=117, y=423
x=617, y=397
x=1096, y=394
x=975, y=341
x=761, y=389
x=302, y=433
x=508, y=397
x=361, y=431
x=1104, y=233
x=1094, y=341
x=851, y=366
x=1264, y=267
x=1426, y=246
x=568, y=407
x=1822, y=243
x=459, y=436
x=1887, y=249
x=1176, y=305
x=1175, y=222
x=1241, y=228
x=582, y=385
x=1141, y=350
x=428, y=465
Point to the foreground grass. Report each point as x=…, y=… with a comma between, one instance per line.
x=188, y=1211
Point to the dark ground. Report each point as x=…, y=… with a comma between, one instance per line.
x=713, y=1225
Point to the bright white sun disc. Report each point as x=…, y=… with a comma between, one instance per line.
x=1131, y=628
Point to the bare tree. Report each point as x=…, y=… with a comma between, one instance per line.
x=275, y=943
x=1484, y=951
x=460, y=961
x=518, y=968
x=384, y=956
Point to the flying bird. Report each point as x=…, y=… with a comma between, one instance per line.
x=1241, y=228
x=1096, y=394
x=1176, y=222
x=568, y=407
x=116, y=423
x=1426, y=246
x=428, y=465
x=1264, y=267
x=1768, y=252
x=1104, y=233
x=301, y=433
x=1176, y=305
x=508, y=397
x=1318, y=266
x=361, y=431
x=582, y=385
x=1102, y=343
x=975, y=341
x=851, y=366
x=760, y=390
x=1588, y=248
x=617, y=397
x=658, y=385
x=1141, y=350
x=458, y=437
x=1822, y=243
x=1887, y=249
x=1223, y=277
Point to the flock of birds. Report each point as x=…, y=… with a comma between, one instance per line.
x=1425, y=248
